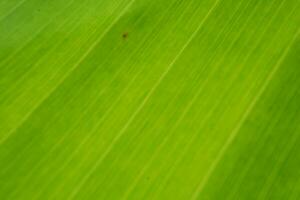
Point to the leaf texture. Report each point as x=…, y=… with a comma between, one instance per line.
x=149, y=99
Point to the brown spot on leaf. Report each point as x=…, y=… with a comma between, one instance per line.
x=125, y=35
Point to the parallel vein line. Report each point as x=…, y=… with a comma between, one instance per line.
x=234, y=133
x=13, y=9
x=42, y=28
x=91, y=48
x=140, y=107
x=163, y=143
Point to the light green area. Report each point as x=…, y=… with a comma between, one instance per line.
x=149, y=99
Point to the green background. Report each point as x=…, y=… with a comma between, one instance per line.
x=149, y=99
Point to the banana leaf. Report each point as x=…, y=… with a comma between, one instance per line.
x=149, y=99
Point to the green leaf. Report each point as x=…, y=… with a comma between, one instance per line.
x=149, y=99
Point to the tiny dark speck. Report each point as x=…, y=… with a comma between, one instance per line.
x=125, y=35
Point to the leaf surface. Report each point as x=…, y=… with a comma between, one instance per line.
x=149, y=99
